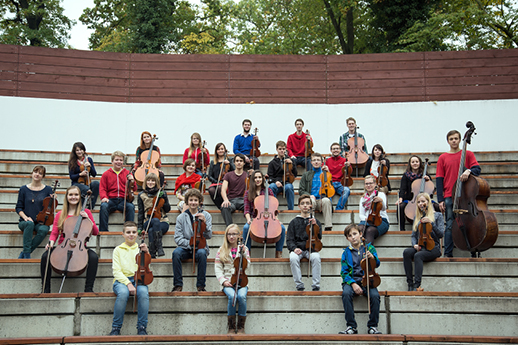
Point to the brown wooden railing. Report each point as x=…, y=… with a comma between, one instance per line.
x=372, y=78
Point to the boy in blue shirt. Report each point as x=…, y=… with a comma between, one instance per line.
x=352, y=274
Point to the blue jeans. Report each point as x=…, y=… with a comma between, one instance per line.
x=123, y=295
x=30, y=243
x=448, y=237
x=302, y=161
x=155, y=226
x=180, y=254
x=289, y=195
x=343, y=192
x=278, y=246
x=94, y=187
x=111, y=206
x=241, y=300
x=347, y=300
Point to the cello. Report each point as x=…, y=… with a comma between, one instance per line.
x=266, y=227
x=46, y=215
x=326, y=186
x=149, y=159
x=475, y=228
x=70, y=258
x=356, y=151
x=418, y=186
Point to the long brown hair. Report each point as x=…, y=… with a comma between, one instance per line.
x=420, y=170
x=192, y=148
x=72, y=161
x=218, y=145
x=142, y=144
x=64, y=212
x=252, y=192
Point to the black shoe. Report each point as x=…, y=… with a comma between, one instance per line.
x=315, y=289
x=152, y=250
x=374, y=330
x=141, y=330
x=115, y=331
x=201, y=288
x=177, y=288
x=411, y=287
x=89, y=289
x=300, y=289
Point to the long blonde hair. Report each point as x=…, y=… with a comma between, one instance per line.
x=224, y=250
x=192, y=148
x=64, y=212
x=430, y=212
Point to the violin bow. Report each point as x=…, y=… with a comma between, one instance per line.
x=46, y=269
x=221, y=171
x=194, y=242
x=310, y=240
x=154, y=205
x=143, y=238
x=367, y=275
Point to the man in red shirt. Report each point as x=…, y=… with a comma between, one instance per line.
x=335, y=163
x=447, y=172
x=296, y=147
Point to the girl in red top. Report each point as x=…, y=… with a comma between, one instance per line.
x=71, y=207
x=194, y=151
x=145, y=144
x=186, y=181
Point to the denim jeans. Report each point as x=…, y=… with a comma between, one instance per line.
x=156, y=226
x=448, y=237
x=343, y=192
x=289, y=194
x=302, y=161
x=180, y=254
x=278, y=246
x=123, y=295
x=241, y=300
x=111, y=206
x=94, y=187
x=235, y=204
x=347, y=300
x=30, y=243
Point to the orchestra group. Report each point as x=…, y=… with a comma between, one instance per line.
x=237, y=183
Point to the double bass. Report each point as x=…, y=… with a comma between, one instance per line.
x=475, y=228
x=266, y=227
x=149, y=159
x=419, y=186
x=70, y=258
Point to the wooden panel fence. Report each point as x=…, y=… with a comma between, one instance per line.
x=371, y=78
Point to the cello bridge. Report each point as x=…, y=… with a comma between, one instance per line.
x=460, y=211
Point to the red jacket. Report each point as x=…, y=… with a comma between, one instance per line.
x=295, y=145
x=113, y=185
x=335, y=165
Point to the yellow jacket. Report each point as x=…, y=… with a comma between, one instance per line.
x=123, y=263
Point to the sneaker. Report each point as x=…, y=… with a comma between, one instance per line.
x=316, y=289
x=201, y=288
x=115, y=331
x=300, y=289
x=177, y=288
x=349, y=330
x=374, y=330
x=141, y=330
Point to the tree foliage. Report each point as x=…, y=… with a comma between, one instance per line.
x=34, y=22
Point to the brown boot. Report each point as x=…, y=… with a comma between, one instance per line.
x=241, y=320
x=231, y=325
x=278, y=254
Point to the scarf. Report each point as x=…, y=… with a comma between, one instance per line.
x=183, y=179
x=367, y=202
x=413, y=176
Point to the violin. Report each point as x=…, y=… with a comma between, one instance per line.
x=254, y=151
x=313, y=244
x=46, y=215
x=70, y=258
x=382, y=179
x=375, y=216
x=425, y=236
x=158, y=203
x=149, y=159
x=128, y=191
x=475, y=228
x=223, y=170
x=347, y=172
x=326, y=186
x=368, y=266
x=143, y=274
x=266, y=227
x=419, y=186
x=239, y=279
x=86, y=179
x=288, y=176
x=356, y=151
x=308, y=145
x=200, y=158
x=197, y=240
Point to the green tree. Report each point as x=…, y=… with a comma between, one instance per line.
x=34, y=22
x=465, y=25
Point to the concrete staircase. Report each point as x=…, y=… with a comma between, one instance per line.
x=466, y=300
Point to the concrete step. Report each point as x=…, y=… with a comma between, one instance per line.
x=458, y=274
x=273, y=313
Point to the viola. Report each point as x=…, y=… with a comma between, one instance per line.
x=143, y=274
x=313, y=244
x=150, y=160
x=254, y=151
x=419, y=186
x=375, y=215
x=266, y=227
x=158, y=204
x=200, y=158
x=86, y=179
x=46, y=215
x=308, y=145
x=326, y=186
x=356, y=144
x=239, y=278
x=128, y=191
x=288, y=176
x=347, y=179
x=425, y=236
x=475, y=228
x=382, y=179
x=197, y=240
x=70, y=258
x=370, y=277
